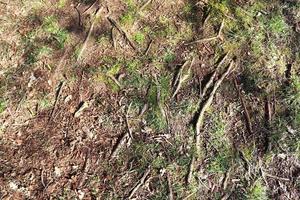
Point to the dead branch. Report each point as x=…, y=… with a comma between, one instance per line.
x=246, y=113
x=124, y=33
x=114, y=80
x=113, y=38
x=84, y=45
x=140, y=183
x=79, y=15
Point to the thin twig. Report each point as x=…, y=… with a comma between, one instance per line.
x=140, y=183
x=218, y=36
x=124, y=33
x=114, y=80
x=84, y=45
x=180, y=78
x=86, y=11
x=171, y=195
x=246, y=113
x=122, y=139
x=145, y=5
x=127, y=121
x=148, y=47
x=58, y=93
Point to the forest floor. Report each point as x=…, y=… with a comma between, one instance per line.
x=150, y=99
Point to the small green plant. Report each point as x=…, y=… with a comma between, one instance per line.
x=139, y=37
x=127, y=18
x=169, y=56
x=45, y=103
x=61, y=3
x=3, y=105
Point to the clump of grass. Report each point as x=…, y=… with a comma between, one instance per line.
x=3, y=105
x=61, y=3
x=157, y=95
x=139, y=37
x=258, y=191
x=221, y=162
x=51, y=26
x=129, y=16
x=45, y=103
x=106, y=74
x=169, y=56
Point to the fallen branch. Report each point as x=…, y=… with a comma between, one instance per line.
x=206, y=105
x=140, y=183
x=124, y=33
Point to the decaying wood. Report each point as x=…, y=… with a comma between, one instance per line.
x=140, y=183
x=268, y=112
x=84, y=45
x=246, y=113
x=123, y=33
x=82, y=106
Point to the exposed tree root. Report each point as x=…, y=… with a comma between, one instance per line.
x=200, y=119
x=181, y=78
